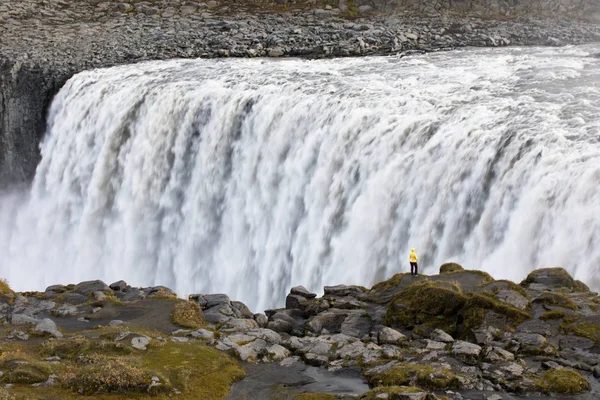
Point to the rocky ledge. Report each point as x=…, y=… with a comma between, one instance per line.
x=45, y=42
x=457, y=335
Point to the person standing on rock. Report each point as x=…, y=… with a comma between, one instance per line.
x=412, y=257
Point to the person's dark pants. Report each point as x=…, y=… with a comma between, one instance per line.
x=414, y=269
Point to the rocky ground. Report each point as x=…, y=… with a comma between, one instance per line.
x=457, y=335
x=44, y=42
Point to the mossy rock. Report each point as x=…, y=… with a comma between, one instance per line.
x=450, y=267
x=562, y=381
x=556, y=299
x=555, y=277
x=555, y=314
x=483, y=308
x=467, y=280
x=393, y=392
x=25, y=372
x=111, y=376
x=7, y=295
x=424, y=376
x=587, y=329
x=384, y=291
x=434, y=304
x=188, y=315
x=502, y=284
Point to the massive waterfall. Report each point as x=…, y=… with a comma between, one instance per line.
x=250, y=176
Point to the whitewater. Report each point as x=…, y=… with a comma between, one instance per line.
x=248, y=177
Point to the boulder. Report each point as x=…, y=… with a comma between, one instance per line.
x=450, y=267
x=554, y=277
x=243, y=310
x=276, y=352
x=140, y=342
x=210, y=300
x=357, y=324
x=22, y=319
x=441, y=336
x=48, y=326
x=130, y=294
x=513, y=298
x=390, y=336
x=466, y=352
x=261, y=320
x=73, y=299
x=161, y=291
x=302, y=291
x=293, y=301
x=239, y=324
x=118, y=286
x=343, y=290
x=498, y=354
x=56, y=289
x=88, y=287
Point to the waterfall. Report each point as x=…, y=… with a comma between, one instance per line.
x=251, y=176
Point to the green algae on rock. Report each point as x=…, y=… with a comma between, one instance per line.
x=562, y=381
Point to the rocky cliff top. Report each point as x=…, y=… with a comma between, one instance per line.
x=459, y=334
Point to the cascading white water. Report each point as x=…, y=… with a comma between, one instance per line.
x=251, y=176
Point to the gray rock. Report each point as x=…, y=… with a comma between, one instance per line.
x=140, y=342
x=203, y=334
x=277, y=353
x=73, y=299
x=280, y=325
x=441, y=336
x=302, y=291
x=115, y=322
x=390, y=336
x=239, y=324
x=162, y=290
x=293, y=301
x=243, y=310
x=88, y=287
x=48, y=326
x=530, y=339
x=261, y=320
x=65, y=310
x=56, y=289
x=118, y=286
x=22, y=319
x=513, y=298
x=131, y=294
x=466, y=352
x=499, y=354
x=343, y=290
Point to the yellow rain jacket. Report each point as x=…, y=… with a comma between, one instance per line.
x=413, y=256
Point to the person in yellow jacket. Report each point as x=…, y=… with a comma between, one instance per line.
x=412, y=257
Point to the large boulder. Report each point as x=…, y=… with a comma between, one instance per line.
x=468, y=353
x=88, y=287
x=554, y=277
x=450, y=267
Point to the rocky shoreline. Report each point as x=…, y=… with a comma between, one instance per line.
x=457, y=335
x=44, y=42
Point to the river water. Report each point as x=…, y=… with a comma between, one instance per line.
x=251, y=176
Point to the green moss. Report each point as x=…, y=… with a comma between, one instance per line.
x=199, y=371
x=552, y=315
x=504, y=284
x=6, y=293
x=477, y=304
x=448, y=268
x=390, y=390
x=563, y=381
x=31, y=372
x=110, y=376
x=392, y=282
x=434, y=304
x=188, y=315
x=584, y=329
x=555, y=299
x=423, y=375
x=314, y=396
